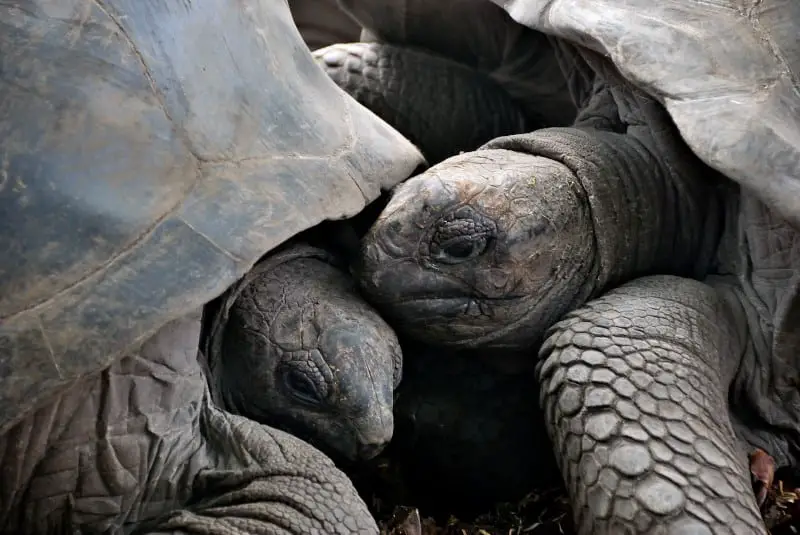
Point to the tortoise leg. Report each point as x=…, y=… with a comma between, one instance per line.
x=442, y=106
x=634, y=389
x=262, y=481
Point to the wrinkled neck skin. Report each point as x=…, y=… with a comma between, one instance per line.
x=559, y=216
x=479, y=35
x=140, y=448
x=645, y=218
x=654, y=206
x=110, y=437
x=297, y=348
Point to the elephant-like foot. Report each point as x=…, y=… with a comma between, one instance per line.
x=634, y=389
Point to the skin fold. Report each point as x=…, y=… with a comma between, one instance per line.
x=295, y=347
x=655, y=387
x=140, y=448
x=465, y=108
x=449, y=93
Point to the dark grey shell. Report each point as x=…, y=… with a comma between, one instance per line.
x=726, y=71
x=150, y=153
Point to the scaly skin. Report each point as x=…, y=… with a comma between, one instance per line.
x=139, y=448
x=441, y=106
x=634, y=390
x=490, y=249
x=296, y=347
x=478, y=35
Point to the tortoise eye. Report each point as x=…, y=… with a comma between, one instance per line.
x=461, y=249
x=461, y=235
x=302, y=387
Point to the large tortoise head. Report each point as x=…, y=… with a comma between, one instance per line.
x=294, y=345
x=490, y=248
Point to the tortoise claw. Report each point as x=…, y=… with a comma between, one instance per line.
x=762, y=473
x=406, y=521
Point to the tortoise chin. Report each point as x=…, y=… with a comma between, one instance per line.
x=461, y=321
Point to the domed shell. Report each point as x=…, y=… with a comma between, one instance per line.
x=727, y=71
x=150, y=153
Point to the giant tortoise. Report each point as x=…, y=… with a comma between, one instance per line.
x=653, y=246
x=151, y=153
x=293, y=345
x=455, y=89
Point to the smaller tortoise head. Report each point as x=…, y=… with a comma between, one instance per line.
x=485, y=249
x=303, y=352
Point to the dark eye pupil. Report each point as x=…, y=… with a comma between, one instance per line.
x=460, y=249
x=302, y=385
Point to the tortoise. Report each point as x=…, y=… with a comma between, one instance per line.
x=293, y=345
x=472, y=93
x=151, y=153
x=651, y=248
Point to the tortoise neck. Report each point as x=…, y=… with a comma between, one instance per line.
x=652, y=209
x=653, y=212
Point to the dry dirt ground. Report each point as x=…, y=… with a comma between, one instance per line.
x=542, y=512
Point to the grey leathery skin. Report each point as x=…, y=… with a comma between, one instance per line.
x=294, y=346
x=442, y=106
x=634, y=393
x=493, y=248
x=118, y=449
x=480, y=36
x=446, y=88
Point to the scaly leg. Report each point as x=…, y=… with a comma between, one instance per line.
x=442, y=106
x=634, y=388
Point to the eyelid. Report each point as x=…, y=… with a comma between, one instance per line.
x=309, y=363
x=315, y=400
x=307, y=366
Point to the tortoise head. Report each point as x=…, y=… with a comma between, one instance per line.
x=484, y=249
x=302, y=351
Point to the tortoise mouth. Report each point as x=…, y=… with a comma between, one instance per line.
x=459, y=321
x=424, y=310
x=453, y=321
